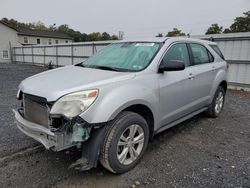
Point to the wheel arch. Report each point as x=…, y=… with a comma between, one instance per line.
x=146, y=113
x=219, y=80
x=223, y=84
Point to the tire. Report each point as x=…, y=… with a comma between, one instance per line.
x=213, y=111
x=111, y=152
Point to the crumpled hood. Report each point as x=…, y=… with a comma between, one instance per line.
x=55, y=83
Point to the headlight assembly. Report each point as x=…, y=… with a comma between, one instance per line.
x=74, y=104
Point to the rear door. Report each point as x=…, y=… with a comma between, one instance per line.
x=204, y=70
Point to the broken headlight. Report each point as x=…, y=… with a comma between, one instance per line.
x=74, y=104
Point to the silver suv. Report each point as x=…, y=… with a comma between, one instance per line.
x=111, y=105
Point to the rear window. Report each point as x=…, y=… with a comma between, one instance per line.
x=217, y=50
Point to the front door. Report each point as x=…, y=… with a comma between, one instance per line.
x=176, y=87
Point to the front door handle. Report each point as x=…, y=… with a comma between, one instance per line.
x=190, y=76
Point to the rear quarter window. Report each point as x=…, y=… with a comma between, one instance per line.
x=217, y=50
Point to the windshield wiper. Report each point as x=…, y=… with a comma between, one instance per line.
x=103, y=67
x=110, y=68
x=80, y=65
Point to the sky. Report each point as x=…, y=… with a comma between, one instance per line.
x=136, y=18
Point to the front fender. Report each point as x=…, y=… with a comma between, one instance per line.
x=112, y=101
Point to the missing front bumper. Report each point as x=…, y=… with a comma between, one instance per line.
x=51, y=140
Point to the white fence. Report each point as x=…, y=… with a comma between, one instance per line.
x=238, y=56
x=59, y=55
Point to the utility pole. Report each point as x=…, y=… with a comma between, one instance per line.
x=121, y=35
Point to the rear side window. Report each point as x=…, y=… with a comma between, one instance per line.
x=217, y=50
x=200, y=54
x=177, y=52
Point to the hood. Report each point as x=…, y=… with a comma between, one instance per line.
x=58, y=82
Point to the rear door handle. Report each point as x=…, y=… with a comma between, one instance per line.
x=213, y=68
x=190, y=76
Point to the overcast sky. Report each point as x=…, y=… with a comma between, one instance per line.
x=137, y=18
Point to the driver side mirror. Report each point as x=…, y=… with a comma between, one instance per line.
x=173, y=65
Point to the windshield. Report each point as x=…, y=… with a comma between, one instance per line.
x=129, y=56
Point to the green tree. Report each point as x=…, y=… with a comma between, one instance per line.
x=214, y=29
x=95, y=36
x=105, y=36
x=241, y=24
x=114, y=37
x=38, y=26
x=63, y=28
x=227, y=30
x=15, y=24
x=175, y=32
x=159, y=35
x=18, y=25
x=82, y=37
x=85, y=37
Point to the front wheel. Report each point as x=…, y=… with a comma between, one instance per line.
x=125, y=142
x=217, y=104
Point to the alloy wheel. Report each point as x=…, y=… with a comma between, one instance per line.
x=219, y=102
x=130, y=144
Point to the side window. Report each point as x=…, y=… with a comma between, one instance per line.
x=217, y=50
x=25, y=40
x=200, y=54
x=177, y=52
x=5, y=54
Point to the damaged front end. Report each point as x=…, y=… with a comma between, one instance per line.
x=57, y=132
x=71, y=132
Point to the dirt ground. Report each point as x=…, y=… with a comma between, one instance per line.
x=200, y=152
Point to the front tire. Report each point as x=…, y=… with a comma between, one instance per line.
x=217, y=104
x=125, y=142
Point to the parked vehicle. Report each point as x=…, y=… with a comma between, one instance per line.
x=111, y=105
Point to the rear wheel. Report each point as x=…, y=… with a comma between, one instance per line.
x=125, y=142
x=217, y=104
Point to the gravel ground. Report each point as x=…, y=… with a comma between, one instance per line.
x=12, y=140
x=200, y=152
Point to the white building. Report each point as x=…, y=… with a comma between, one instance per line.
x=11, y=37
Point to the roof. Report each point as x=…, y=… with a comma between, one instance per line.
x=192, y=39
x=39, y=33
x=163, y=39
x=225, y=36
x=8, y=25
x=154, y=39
